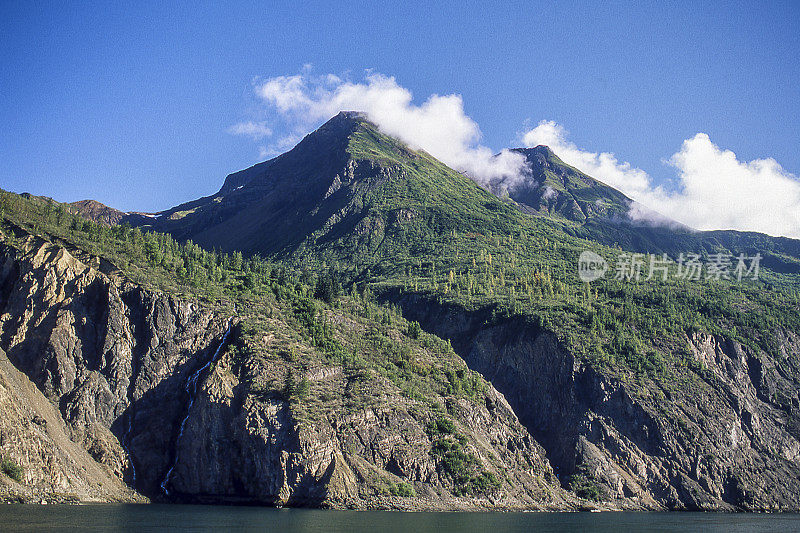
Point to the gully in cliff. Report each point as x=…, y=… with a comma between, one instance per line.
x=191, y=390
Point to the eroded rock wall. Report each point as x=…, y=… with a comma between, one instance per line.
x=111, y=357
x=725, y=440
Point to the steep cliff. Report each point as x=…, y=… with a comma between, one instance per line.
x=362, y=432
x=109, y=356
x=720, y=437
x=35, y=438
x=258, y=445
x=107, y=384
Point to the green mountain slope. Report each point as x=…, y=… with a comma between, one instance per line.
x=418, y=234
x=659, y=393
x=551, y=187
x=199, y=377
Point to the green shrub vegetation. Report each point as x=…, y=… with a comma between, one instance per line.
x=583, y=486
x=413, y=329
x=11, y=469
x=402, y=489
x=460, y=465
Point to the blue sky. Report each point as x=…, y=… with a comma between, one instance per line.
x=133, y=105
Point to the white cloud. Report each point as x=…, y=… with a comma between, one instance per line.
x=254, y=130
x=714, y=189
x=603, y=166
x=439, y=125
x=548, y=193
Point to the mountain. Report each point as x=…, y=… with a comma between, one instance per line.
x=266, y=397
x=388, y=313
x=94, y=210
x=551, y=187
x=347, y=190
x=344, y=186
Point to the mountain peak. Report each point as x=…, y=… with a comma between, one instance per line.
x=98, y=212
x=344, y=122
x=540, y=154
x=349, y=116
x=327, y=142
x=343, y=184
x=553, y=187
x=538, y=149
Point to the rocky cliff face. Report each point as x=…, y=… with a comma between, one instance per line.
x=107, y=387
x=724, y=439
x=110, y=357
x=33, y=435
x=245, y=443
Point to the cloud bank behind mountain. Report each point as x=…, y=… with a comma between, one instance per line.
x=713, y=189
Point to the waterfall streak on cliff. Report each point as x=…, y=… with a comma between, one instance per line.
x=126, y=443
x=191, y=389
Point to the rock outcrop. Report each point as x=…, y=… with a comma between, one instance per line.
x=108, y=387
x=34, y=437
x=110, y=357
x=245, y=444
x=722, y=439
x=94, y=210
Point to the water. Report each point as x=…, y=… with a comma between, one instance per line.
x=118, y=517
x=191, y=389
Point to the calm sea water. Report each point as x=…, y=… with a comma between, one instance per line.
x=216, y=518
